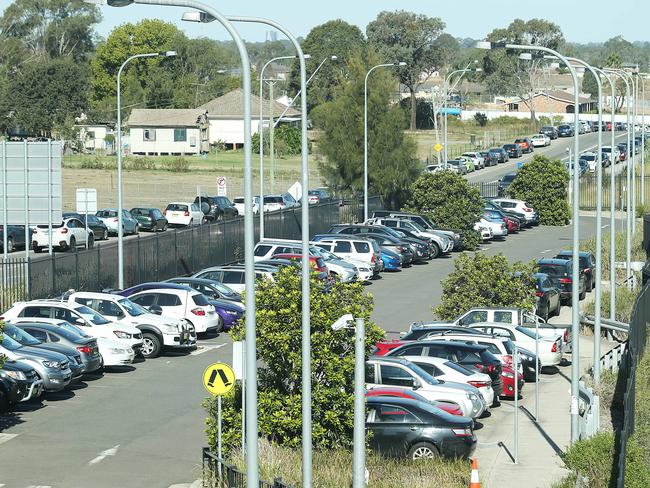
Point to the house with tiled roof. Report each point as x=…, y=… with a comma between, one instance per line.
x=555, y=101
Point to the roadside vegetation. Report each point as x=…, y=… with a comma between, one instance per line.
x=638, y=253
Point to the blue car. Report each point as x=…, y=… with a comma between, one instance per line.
x=392, y=261
x=230, y=312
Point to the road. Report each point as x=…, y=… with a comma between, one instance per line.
x=144, y=426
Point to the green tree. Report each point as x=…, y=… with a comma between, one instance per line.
x=543, y=184
x=404, y=36
x=279, y=351
x=333, y=38
x=486, y=281
x=449, y=202
x=505, y=73
x=391, y=155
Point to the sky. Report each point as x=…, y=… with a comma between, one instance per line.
x=581, y=20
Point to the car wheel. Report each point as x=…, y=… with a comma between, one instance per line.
x=105, y=235
x=151, y=345
x=4, y=402
x=73, y=244
x=583, y=293
x=435, y=251
x=191, y=223
x=423, y=450
x=36, y=249
x=136, y=231
x=91, y=242
x=164, y=229
x=557, y=309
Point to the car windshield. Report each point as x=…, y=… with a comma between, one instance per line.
x=19, y=335
x=9, y=343
x=91, y=315
x=72, y=328
x=175, y=207
x=133, y=309
x=104, y=214
x=552, y=269
x=458, y=368
x=140, y=211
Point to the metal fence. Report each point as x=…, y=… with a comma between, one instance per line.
x=14, y=281
x=351, y=211
x=488, y=189
x=219, y=474
x=589, y=190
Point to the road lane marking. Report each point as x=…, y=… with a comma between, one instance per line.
x=103, y=455
x=204, y=349
x=6, y=438
x=545, y=251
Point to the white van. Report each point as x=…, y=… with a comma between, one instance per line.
x=353, y=247
x=232, y=276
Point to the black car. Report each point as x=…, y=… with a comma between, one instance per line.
x=150, y=219
x=525, y=144
x=216, y=208
x=354, y=229
x=560, y=272
x=94, y=223
x=28, y=382
x=15, y=237
x=619, y=126
x=413, y=429
x=473, y=357
x=489, y=159
x=501, y=153
x=565, y=131
x=587, y=265
x=10, y=393
x=550, y=131
x=547, y=297
x=514, y=150
x=421, y=329
x=212, y=289
x=400, y=247
x=505, y=182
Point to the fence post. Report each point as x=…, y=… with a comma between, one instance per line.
x=157, y=257
x=53, y=263
x=138, y=257
x=76, y=268
x=28, y=281
x=99, y=268
x=176, y=252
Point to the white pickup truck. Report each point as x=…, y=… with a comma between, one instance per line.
x=515, y=316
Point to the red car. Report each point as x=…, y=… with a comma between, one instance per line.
x=512, y=225
x=317, y=263
x=451, y=408
x=384, y=346
x=508, y=377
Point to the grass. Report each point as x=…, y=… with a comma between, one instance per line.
x=332, y=469
x=638, y=254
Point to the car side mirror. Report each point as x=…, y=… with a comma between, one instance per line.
x=417, y=384
x=156, y=309
x=79, y=321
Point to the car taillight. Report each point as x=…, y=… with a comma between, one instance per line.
x=554, y=348
x=198, y=311
x=85, y=349
x=34, y=231
x=480, y=384
x=490, y=368
x=372, y=259
x=64, y=231
x=467, y=432
x=187, y=214
x=566, y=334
x=507, y=359
x=526, y=209
x=539, y=293
x=114, y=220
x=565, y=280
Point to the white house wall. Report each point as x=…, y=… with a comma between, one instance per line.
x=230, y=131
x=164, y=143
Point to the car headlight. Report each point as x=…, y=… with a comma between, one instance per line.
x=508, y=374
x=172, y=329
x=122, y=335
x=52, y=364
x=230, y=312
x=472, y=396
x=17, y=375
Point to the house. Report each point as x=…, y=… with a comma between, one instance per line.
x=168, y=132
x=96, y=138
x=226, y=117
x=554, y=101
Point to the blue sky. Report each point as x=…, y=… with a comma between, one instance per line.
x=580, y=20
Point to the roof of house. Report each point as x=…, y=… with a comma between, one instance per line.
x=165, y=117
x=559, y=95
x=231, y=106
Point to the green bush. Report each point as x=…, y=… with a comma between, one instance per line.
x=279, y=350
x=485, y=281
x=139, y=164
x=481, y=119
x=92, y=163
x=178, y=165
x=449, y=202
x=287, y=141
x=542, y=183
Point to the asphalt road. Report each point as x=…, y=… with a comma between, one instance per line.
x=144, y=426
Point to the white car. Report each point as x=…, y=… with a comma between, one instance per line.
x=445, y=370
x=239, y=204
x=485, y=231
x=67, y=236
x=91, y=322
x=540, y=140
x=498, y=229
x=184, y=213
x=158, y=331
x=519, y=206
x=550, y=349
x=114, y=353
x=189, y=305
x=476, y=158
x=617, y=154
x=352, y=247
x=339, y=268
x=400, y=373
x=444, y=239
x=232, y=276
x=364, y=270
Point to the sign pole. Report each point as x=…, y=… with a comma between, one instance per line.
x=49, y=197
x=219, y=431
x=86, y=219
x=536, y=371
x=516, y=365
x=5, y=217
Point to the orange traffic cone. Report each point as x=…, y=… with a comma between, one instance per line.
x=473, y=481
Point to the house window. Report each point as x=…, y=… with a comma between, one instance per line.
x=180, y=135
x=149, y=135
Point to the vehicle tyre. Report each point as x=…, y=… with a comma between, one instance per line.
x=164, y=229
x=423, y=450
x=583, y=293
x=136, y=231
x=547, y=314
x=191, y=223
x=4, y=402
x=151, y=345
x=36, y=249
x=203, y=221
x=91, y=241
x=435, y=251
x=557, y=309
x=105, y=235
x=73, y=244
x=10, y=245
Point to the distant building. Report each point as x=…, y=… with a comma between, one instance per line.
x=555, y=101
x=96, y=137
x=168, y=132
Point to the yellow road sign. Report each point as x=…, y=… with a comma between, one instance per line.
x=218, y=379
x=438, y=147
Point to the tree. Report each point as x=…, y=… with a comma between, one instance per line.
x=279, y=350
x=391, y=156
x=404, y=36
x=449, y=202
x=543, y=184
x=505, y=73
x=486, y=281
x=333, y=38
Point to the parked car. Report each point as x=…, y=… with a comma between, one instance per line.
x=212, y=289
x=505, y=182
x=392, y=260
x=11, y=392
x=587, y=265
x=513, y=150
x=216, y=208
x=109, y=216
x=476, y=158
x=150, y=219
x=69, y=235
x=400, y=247
x=240, y=204
x=337, y=268
x=232, y=276
x=547, y=297
x=560, y=272
x=565, y=130
x=416, y=430
x=434, y=168
x=615, y=158
x=508, y=378
x=525, y=144
x=28, y=384
x=438, y=241
x=540, y=140
x=184, y=214
x=318, y=196
x=365, y=270
x=519, y=209
x=489, y=159
x=451, y=408
x=316, y=263
x=15, y=237
x=549, y=131
x=421, y=222
x=497, y=223
x=100, y=231
x=457, y=166
x=503, y=154
x=352, y=247
x=279, y=202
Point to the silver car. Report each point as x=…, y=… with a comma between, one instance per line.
x=130, y=224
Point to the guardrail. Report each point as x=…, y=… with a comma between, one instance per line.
x=219, y=474
x=589, y=411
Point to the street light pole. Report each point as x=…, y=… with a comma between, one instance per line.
x=642, y=81
x=120, y=196
x=445, y=95
x=365, y=133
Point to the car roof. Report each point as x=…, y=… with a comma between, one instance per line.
x=176, y=291
x=495, y=324
x=92, y=294
x=189, y=279
x=554, y=261
x=582, y=254
x=434, y=342
x=180, y=203
x=159, y=285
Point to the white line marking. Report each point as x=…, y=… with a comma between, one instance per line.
x=6, y=438
x=108, y=452
x=546, y=250
x=204, y=349
x=35, y=486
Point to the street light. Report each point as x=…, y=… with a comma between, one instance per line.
x=120, y=202
x=575, y=304
x=365, y=133
x=642, y=81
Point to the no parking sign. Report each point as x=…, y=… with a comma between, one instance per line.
x=222, y=186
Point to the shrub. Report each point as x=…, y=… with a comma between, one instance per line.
x=542, y=183
x=287, y=141
x=279, y=350
x=178, y=165
x=481, y=119
x=139, y=164
x=92, y=163
x=485, y=281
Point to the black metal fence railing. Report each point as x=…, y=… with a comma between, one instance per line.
x=488, y=189
x=14, y=282
x=589, y=190
x=351, y=211
x=626, y=382
x=219, y=474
